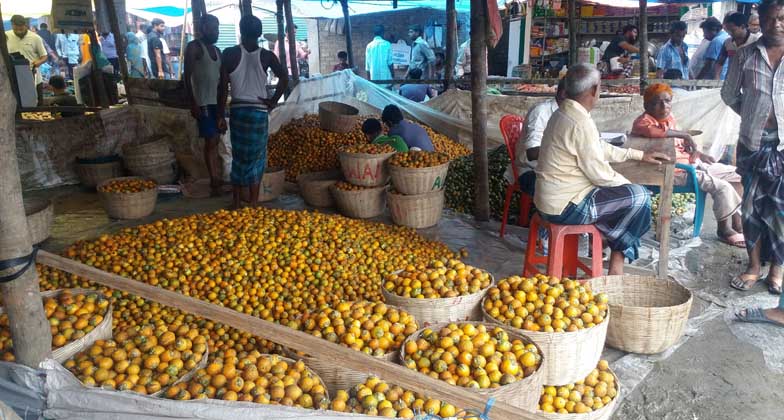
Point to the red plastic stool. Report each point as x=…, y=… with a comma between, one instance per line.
x=561, y=260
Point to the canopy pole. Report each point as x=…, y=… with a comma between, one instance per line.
x=97, y=73
x=119, y=38
x=451, y=44
x=181, y=57
x=199, y=9
x=643, y=45
x=573, y=47
x=7, y=61
x=281, y=40
x=479, y=108
x=347, y=32
x=292, y=35
x=245, y=8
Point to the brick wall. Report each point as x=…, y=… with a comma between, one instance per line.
x=395, y=23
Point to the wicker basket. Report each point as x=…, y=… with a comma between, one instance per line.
x=412, y=181
x=337, y=117
x=128, y=205
x=40, y=216
x=145, y=154
x=524, y=393
x=314, y=187
x=442, y=310
x=603, y=413
x=162, y=173
x=365, y=169
x=102, y=331
x=335, y=377
x=272, y=184
x=648, y=315
x=362, y=204
x=92, y=174
x=416, y=211
x=571, y=356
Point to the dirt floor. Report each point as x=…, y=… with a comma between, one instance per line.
x=719, y=371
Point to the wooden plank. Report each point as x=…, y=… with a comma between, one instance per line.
x=665, y=215
x=339, y=355
x=646, y=173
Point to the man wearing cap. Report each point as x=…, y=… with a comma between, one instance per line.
x=31, y=46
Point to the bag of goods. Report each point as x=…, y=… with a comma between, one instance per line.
x=419, y=172
x=375, y=397
x=591, y=398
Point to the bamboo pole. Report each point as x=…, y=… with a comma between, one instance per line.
x=292, y=36
x=643, y=45
x=451, y=44
x=281, y=40
x=479, y=108
x=347, y=32
x=181, y=56
x=199, y=9
x=246, y=8
x=572, y=6
x=119, y=37
x=21, y=298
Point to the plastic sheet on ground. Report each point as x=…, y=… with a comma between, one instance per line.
x=768, y=338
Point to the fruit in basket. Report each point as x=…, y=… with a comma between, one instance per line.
x=145, y=359
x=71, y=317
x=372, y=328
x=471, y=355
x=124, y=186
x=378, y=398
x=546, y=304
x=418, y=159
x=439, y=279
x=347, y=186
x=594, y=392
x=254, y=377
x=373, y=149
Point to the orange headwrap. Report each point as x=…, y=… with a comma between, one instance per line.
x=655, y=89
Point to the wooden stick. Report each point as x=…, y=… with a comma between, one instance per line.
x=665, y=216
x=347, y=32
x=479, y=108
x=643, y=45
x=291, y=34
x=333, y=353
x=573, y=47
x=119, y=38
x=451, y=44
x=9, y=67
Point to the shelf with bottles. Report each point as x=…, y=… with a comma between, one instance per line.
x=550, y=30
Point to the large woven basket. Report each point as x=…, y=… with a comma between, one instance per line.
x=149, y=153
x=102, y=331
x=337, y=117
x=162, y=173
x=128, y=205
x=314, y=187
x=524, y=393
x=365, y=169
x=362, y=204
x=571, y=356
x=91, y=174
x=40, y=216
x=413, y=181
x=603, y=413
x=648, y=315
x=442, y=310
x=335, y=377
x=416, y=211
x=272, y=184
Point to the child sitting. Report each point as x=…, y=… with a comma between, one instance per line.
x=718, y=180
x=60, y=96
x=375, y=134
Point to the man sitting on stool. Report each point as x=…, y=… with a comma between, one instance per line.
x=575, y=184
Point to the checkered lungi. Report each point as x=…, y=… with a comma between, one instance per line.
x=249, y=133
x=763, y=197
x=622, y=214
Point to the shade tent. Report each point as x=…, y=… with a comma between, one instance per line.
x=634, y=4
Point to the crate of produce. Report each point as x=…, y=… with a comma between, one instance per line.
x=593, y=399
x=40, y=216
x=492, y=360
x=358, y=202
x=365, y=164
x=571, y=329
x=92, y=320
x=452, y=291
x=648, y=315
x=128, y=197
x=416, y=211
x=337, y=117
x=419, y=172
x=388, y=335
x=314, y=187
x=93, y=171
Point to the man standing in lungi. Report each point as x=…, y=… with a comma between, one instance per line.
x=754, y=88
x=244, y=69
x=575, y=184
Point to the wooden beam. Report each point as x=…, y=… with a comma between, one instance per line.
x=451, y=44
x=292, y=36
x=282, y=40
x=643, y=45
x=479, y=108
x=573, y=47
x=246, y=8
x=347, y=32
x=7, y=61
x=199, y=9
x=21, y=298
x=297, y=340
x=119, y=37
x=96, y=75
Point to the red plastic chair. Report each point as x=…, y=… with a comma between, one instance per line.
x=512, y=128
x=562, y=260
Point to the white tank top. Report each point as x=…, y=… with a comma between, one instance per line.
x=248, y=81
x=205, y=78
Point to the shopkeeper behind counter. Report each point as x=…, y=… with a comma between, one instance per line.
x=621, y=48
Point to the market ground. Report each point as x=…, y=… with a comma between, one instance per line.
x=713, y=375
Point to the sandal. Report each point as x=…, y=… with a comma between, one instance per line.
x=773, y=288
x=756, y=316
x=743, y=284
x=736, y=240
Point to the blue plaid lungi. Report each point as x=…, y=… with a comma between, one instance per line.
x=762, y=172
x=249, y=134
x=622, y=214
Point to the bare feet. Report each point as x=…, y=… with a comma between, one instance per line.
x=617, y=260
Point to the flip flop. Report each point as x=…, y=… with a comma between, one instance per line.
x=739, y=283
x=773, y=289
x=756, y=316
x=736, y=240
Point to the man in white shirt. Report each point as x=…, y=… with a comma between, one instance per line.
x=378, y=56
x=31, y=46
